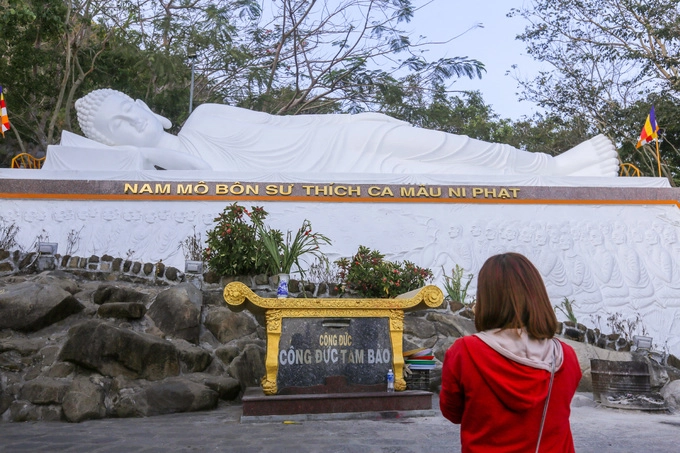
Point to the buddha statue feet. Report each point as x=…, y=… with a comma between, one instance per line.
x=594, y=157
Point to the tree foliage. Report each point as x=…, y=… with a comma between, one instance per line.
x=616, y=51
x=610, y=61
x=307, y=56
x=52, y=50
x=284, y=57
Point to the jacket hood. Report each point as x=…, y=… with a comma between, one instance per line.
x=517, y=369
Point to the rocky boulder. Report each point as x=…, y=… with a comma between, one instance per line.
x=419, y=326
x=227, y=325
x=116, y=351
x=122, y=310
x=227, y=388
x=671, y=394
x=44, y=391
x=24, y=411
x=192, y=358
x=165, y=397
x=249, y=367
x=62, y=279
x=108, y=293
x=84, y=400
x=30, y=306
x=177, y=312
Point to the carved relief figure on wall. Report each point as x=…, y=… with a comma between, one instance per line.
x=606, y=270
x=226, y=138
x=662, y=269
x=633, y=269
x=586, y=291
x=549, y=263
x=462, y=253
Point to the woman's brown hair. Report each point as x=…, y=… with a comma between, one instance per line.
x=511, y=295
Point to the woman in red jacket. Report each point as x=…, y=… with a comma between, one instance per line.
x=510, y=385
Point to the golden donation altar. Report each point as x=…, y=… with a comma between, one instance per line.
x=323, y=337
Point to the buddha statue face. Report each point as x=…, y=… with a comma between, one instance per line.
x=113, y=118
x=127, y=122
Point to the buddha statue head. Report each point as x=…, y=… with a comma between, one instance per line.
x=114, y=118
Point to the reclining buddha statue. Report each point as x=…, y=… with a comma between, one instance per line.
x=224, y=138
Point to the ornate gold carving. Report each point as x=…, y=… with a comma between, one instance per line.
x=432, y=296
x=399, y=384
x=269, y=387
x=235, y=293
x=274, y=320
x=397, y=320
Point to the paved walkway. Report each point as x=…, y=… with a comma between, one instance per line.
x=595, y=429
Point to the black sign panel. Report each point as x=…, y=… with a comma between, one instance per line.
x=311, y=349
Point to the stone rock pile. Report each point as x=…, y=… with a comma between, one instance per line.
x=72, y=349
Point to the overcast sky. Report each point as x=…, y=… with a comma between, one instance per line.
x=494, y=45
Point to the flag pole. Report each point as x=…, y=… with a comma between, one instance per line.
x=658, y=158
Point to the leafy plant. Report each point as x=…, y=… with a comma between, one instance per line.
x=280, y=255
x=567, y=308
x=369, y=275
x=233, y=247
x=454, y=287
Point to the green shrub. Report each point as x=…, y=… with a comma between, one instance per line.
x=369, y=275
x=233, y=246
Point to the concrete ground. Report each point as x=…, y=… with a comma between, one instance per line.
x=596, y=429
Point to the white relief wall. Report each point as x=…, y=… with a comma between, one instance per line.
x=608, y=258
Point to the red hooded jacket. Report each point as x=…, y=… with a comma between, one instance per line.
x=499, y=402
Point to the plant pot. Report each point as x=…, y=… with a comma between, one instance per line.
x=282, y=289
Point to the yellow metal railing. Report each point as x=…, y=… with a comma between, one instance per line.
x=25, y=160
x=629, y=170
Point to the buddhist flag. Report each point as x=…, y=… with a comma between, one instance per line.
x=4, y=120
x=649, y=131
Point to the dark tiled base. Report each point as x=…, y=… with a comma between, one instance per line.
x=255, y=403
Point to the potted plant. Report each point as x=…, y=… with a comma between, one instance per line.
x=281, y=255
